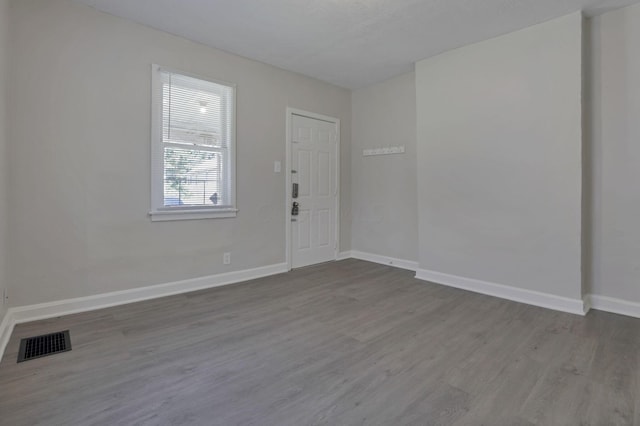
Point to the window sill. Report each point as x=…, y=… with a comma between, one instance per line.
x=194, y=214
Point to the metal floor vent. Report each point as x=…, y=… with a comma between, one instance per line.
x=48, y=344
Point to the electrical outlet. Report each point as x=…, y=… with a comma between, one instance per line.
x=226, y=259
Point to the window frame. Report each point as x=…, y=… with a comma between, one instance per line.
x=160, y=212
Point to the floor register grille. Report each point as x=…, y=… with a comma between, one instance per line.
x=45, y=345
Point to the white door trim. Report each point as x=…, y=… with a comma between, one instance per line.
x=289, y=119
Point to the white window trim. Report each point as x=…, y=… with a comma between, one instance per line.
x=159, y=213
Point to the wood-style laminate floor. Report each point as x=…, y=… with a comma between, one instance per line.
x=344, y=343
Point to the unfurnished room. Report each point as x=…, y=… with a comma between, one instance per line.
x=340, y=212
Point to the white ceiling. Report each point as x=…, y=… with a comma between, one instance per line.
x=350, y=43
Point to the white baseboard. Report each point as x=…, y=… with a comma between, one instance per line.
x=6, y=328
x=544, y=300
x=18, y=315
x=344, y=255
x=615, y=306
x=385, y=260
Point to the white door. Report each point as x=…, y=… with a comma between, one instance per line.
x=314, y=162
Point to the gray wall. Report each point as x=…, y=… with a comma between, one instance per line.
x=615, y=159
x=499, y=159
x=80, y=135
x=497, y=174
x=384, y=205
x=4, y=43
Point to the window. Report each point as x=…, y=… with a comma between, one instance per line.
x=192, y=147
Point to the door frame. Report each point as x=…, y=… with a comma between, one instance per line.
x=289, y=142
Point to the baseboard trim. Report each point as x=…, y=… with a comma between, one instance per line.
x=544, y=300
x=385, y=260
x=615, y=306
x=344, y=255
x=22, y=314
x=106, y=300
x=18, y=315
x=6, y=328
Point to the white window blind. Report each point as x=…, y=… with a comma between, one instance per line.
x=193, y=147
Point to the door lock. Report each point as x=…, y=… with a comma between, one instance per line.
x=295, y=209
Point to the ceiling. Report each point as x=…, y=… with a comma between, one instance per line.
x=350, y=43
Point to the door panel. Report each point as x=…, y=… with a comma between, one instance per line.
x=314, y=151
x=304, y=230
x=325, y=135
x=324, y=227
x=304, y=173
x=324, y=174
x=303, y=134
